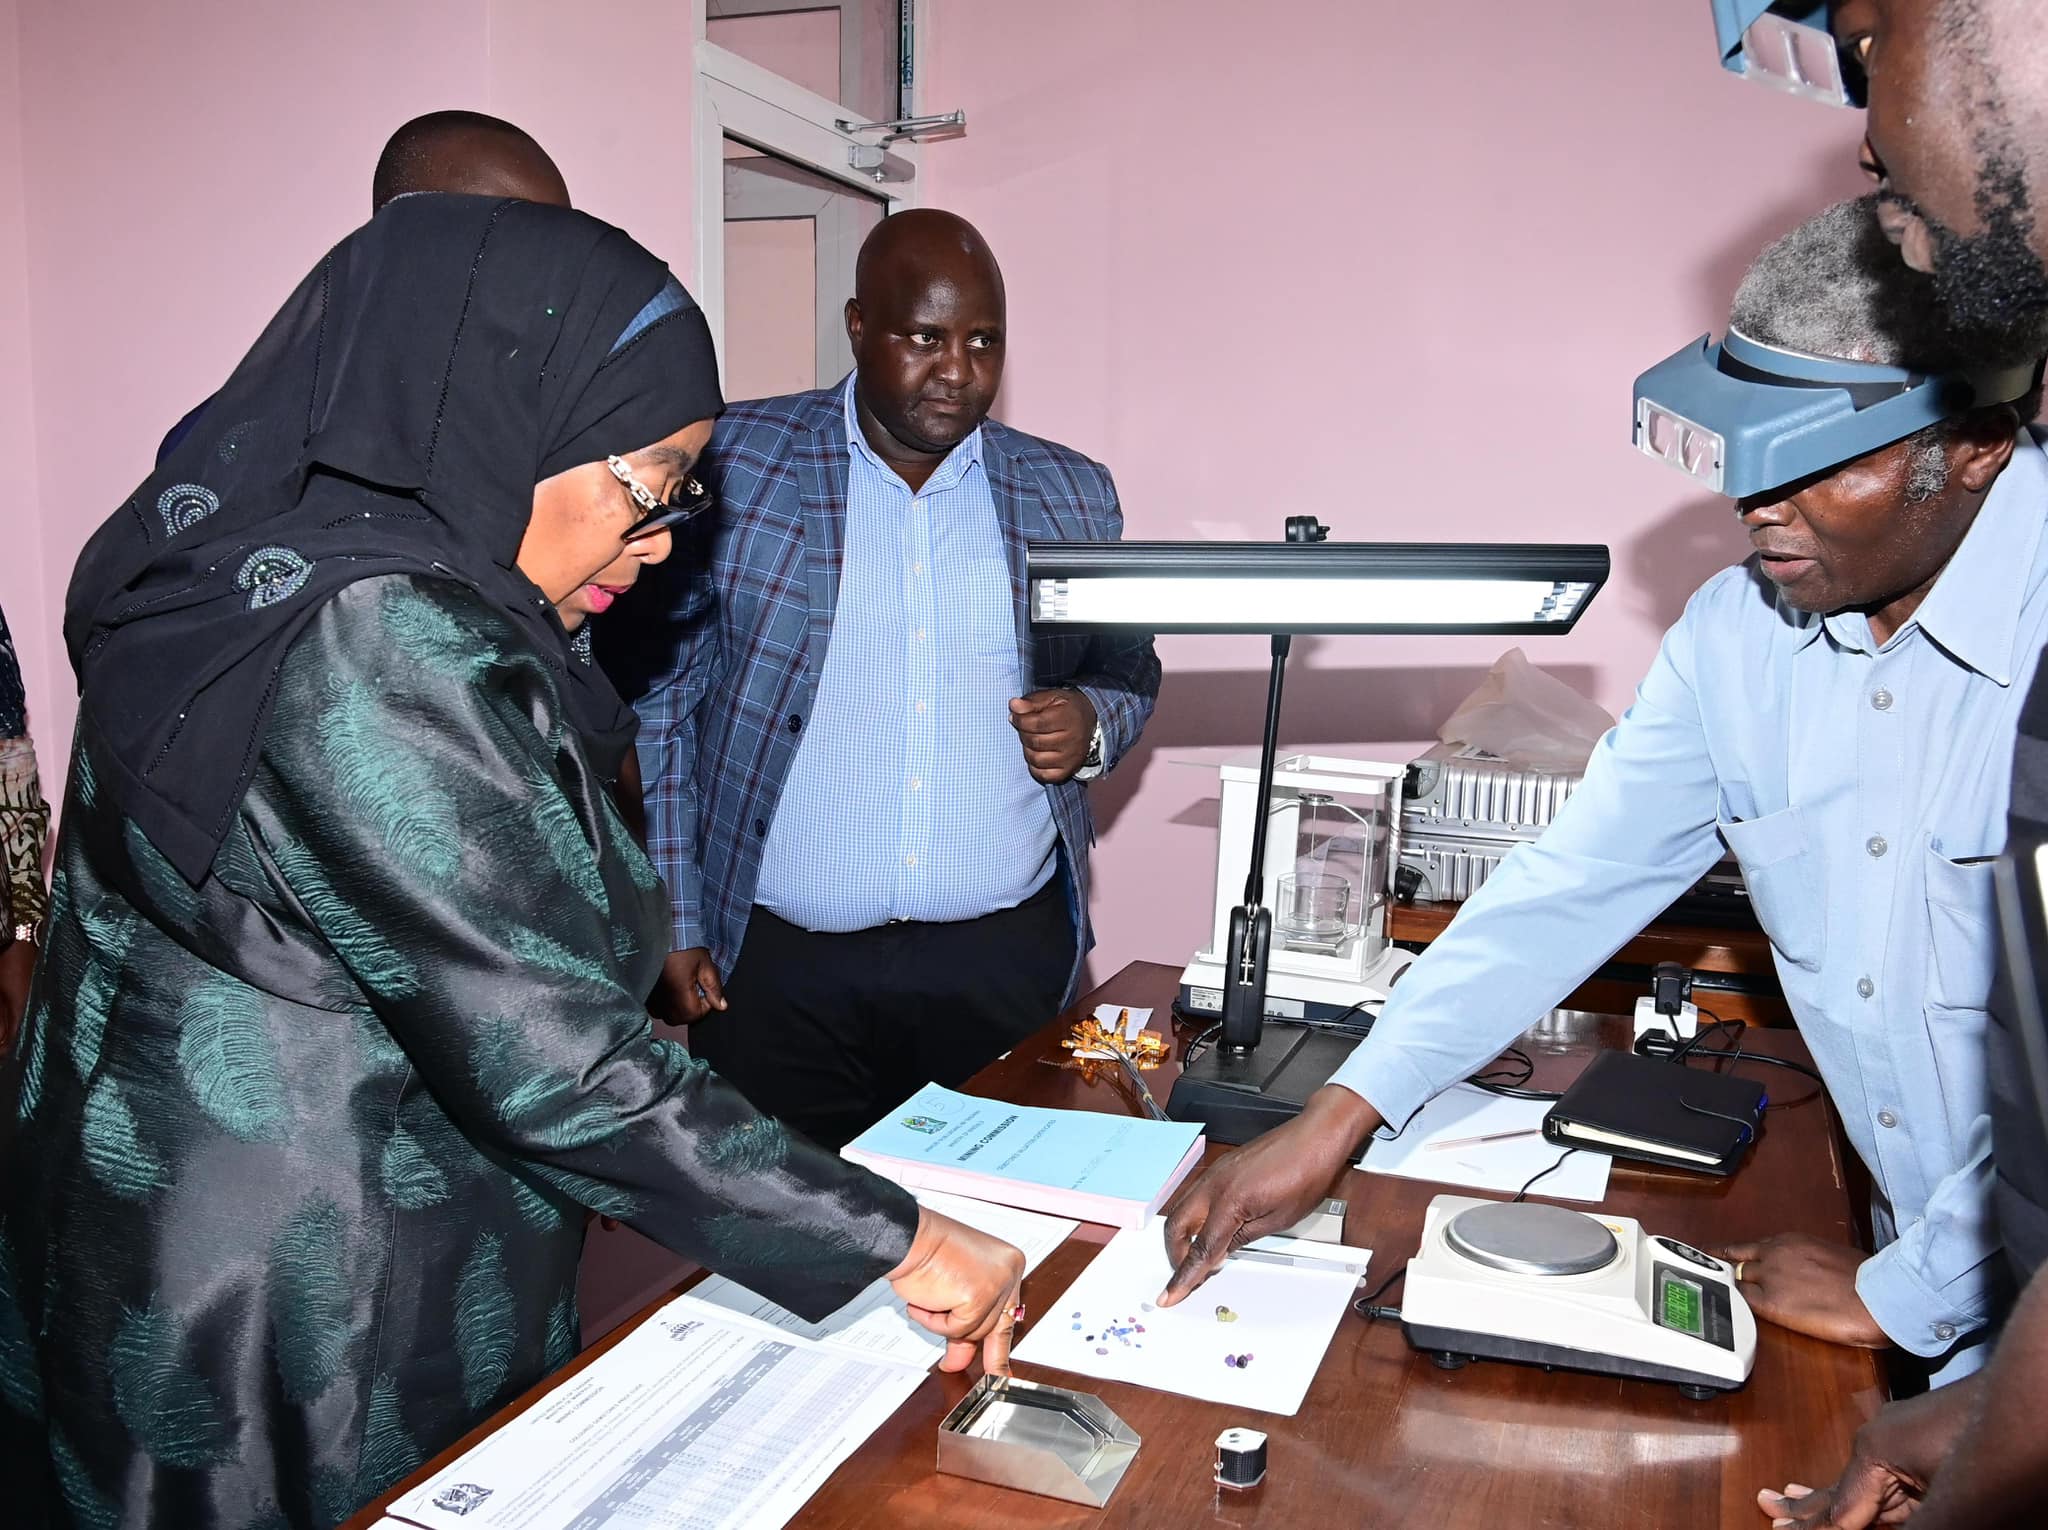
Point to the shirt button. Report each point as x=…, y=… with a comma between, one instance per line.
x=1944, y=1331
x=917, y=568
x=1876, y=845
x=920, y=634
x=796, y=723
x=1865, y=987
x=917, y=783
x=910, y=860
x=1886, y=1119
x=1881, y=699
x=920, y=706
x=761, y=828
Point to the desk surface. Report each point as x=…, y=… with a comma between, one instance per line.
x=1385, y=1437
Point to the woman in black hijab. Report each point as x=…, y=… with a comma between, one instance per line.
x=340, y=1019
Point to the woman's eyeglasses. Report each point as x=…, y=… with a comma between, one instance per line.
x=658, y=514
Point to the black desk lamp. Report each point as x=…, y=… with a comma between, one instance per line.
x=1304, y=584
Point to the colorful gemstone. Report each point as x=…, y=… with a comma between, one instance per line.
x=1225, y=1315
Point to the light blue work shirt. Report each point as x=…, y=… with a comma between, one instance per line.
x=1863, y=788
x=909, y=797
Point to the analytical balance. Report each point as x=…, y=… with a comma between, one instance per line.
x=1548, y=1286
x=1329, y=954
x=1327, y=962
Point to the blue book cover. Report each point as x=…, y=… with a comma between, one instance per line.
x=1084, y=1152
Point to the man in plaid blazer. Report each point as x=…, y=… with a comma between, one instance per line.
x=865, y=774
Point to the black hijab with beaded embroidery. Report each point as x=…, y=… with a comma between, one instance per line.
x=393, y=417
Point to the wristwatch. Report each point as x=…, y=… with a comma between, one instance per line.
x=1092, y=765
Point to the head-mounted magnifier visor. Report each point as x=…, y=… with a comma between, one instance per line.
x=1743, y=418
x=1786, y=45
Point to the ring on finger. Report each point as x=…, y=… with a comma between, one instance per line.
x=1740, y=1266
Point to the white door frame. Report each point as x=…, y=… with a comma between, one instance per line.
x=740, y=99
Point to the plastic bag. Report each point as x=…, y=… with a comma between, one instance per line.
x=1528, y=717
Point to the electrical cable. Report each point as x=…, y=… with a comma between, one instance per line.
x=1662, y=1045
x=1364, y=1305
x=1561, y=1157
x=1512, y=1080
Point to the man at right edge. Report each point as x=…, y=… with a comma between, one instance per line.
x=1957, y=137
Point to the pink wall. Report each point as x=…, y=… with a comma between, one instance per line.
x=182, y=166
x=802, y=46
x=771, y=325
x=24, y=595
x=1389, y=263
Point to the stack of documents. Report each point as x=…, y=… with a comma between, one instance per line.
x=1066, y=1163
x=1481, y=1141
x=723, y=1411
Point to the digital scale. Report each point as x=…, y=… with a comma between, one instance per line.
x=1500, y=1280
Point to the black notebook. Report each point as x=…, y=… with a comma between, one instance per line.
x=1658, y=1111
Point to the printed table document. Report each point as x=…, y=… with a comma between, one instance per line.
x=693, y=1422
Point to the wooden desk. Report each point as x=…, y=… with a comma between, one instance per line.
x=1741, y=956
x=1385, y=1438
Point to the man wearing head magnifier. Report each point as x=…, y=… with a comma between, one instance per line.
x=1957, y=91
x=1838, y=711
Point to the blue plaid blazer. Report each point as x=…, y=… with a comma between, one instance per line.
x=721, y=654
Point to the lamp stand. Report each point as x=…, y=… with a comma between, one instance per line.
x=1251, y=924
x=1236, y=1092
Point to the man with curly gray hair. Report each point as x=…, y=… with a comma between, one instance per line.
x=1838, y=710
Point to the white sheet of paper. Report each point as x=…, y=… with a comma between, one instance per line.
x=875, y=1323
x=1462, y=1111
x=1139, y=1018
x=1107, y=1325
x=689, y=1423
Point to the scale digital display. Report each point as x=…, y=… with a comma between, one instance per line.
x=1699, y=1309
x=1679, y=1307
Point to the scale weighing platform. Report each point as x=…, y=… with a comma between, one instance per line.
x=1545, y=1285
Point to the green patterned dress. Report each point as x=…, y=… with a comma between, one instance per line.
x=293, y=1165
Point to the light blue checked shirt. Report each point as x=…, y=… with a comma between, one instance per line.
x=909, y=797
x=1864, y=789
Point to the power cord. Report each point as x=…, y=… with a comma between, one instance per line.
x=1365, y=1307
x=1661, y=1044
x=1510, y=1077
x=1201, y=1041
x=1543, y=1173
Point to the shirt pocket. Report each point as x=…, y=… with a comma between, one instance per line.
x=1787, y=883
x=990, y=618
x=1962, y=933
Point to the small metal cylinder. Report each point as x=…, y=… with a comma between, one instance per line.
x=1240, y=1459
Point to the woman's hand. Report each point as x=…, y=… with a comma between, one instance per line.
x=963, y=1285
